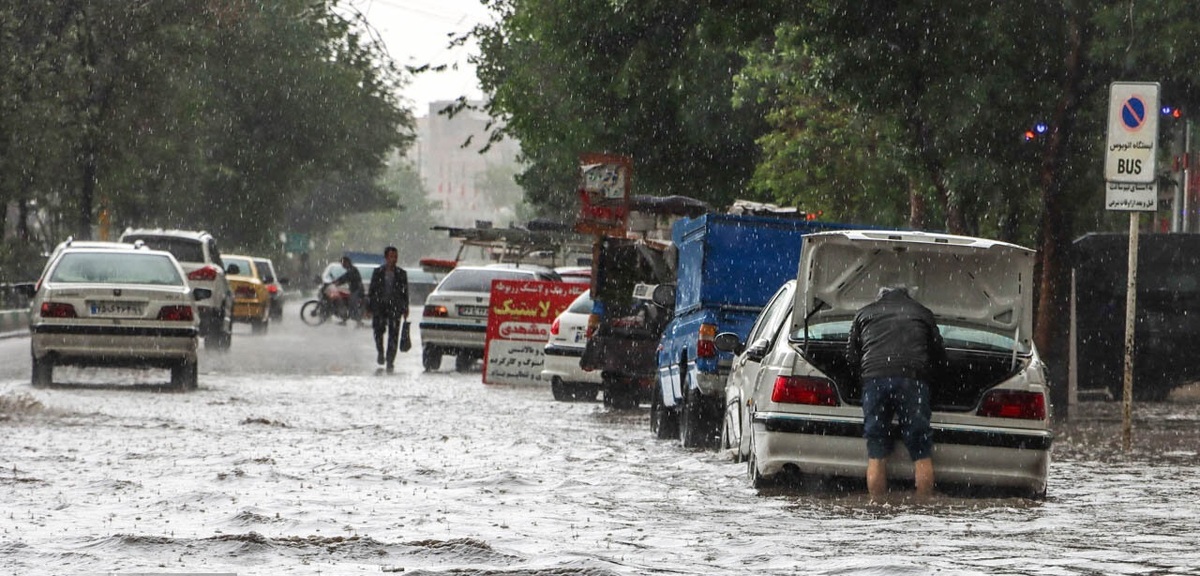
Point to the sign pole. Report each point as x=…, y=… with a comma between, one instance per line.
x=1130, y=317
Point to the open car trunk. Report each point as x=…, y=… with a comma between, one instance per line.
x=959, y=388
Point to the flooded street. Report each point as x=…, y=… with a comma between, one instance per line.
x=295, y=456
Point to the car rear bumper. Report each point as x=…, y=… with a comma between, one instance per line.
x=246, y=311
x=563, y=362
x=834, y=446
x=114, y=346
x=457, y=336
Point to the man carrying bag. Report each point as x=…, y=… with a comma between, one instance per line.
x=389, y=304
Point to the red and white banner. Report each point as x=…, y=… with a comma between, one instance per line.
x=519, y=319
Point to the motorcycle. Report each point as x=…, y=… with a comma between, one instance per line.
x=332, y=301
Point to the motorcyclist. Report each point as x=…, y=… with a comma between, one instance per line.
x=352, y=279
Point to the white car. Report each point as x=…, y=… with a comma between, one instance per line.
x=197, y=253
x=568, y=338
x=792, y=405
x=99, y=306
x=454, y=320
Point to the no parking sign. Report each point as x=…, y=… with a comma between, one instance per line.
x=1132, y=132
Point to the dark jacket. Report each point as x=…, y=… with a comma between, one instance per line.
x=352, y=278
x=385, y=303
x=896, y=336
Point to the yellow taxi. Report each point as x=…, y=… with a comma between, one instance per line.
x=251, y=295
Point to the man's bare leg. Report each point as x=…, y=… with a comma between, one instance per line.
x=923, y=471
x=877, y=478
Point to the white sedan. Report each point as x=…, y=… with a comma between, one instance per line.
x=793, y=406
x=98, y=306
x=568, y=338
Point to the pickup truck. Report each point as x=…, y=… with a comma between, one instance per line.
x=728, y=266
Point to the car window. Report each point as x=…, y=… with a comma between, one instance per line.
x=962, y=337
x=182, y=249
x=582, y=304
x=468, y=280
x=768, y=321
x=215, y=254
x=243, y=264
x=116, y=268
x=265, y=270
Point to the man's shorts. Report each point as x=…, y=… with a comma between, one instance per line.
x=905, y=399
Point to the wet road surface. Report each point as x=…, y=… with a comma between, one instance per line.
x=296, y=456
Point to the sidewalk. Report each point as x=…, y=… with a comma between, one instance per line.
x=14, y=323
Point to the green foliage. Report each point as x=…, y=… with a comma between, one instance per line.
x=227, y=116
x=649, y=79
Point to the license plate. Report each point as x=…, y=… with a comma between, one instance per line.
x=123, y=309
x=476, y=311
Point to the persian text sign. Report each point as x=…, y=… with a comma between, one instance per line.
x=519, y=319
x=605, y=181
x=1132, y=132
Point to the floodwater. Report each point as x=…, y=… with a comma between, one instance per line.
x=296, y=457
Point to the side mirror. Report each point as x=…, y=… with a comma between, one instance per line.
x=201, y=294
x=26, y=289
x=233, y=269
x=729, y=342
x=664, y=295
x=758, y=350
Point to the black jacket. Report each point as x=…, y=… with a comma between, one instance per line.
x=390, y=304
x=352, y=278
x=896, y=336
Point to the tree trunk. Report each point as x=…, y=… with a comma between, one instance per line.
x=1050, y=324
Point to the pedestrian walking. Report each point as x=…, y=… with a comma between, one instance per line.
x=897, y=351
x=389, y=305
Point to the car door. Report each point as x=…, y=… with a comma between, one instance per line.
x=745, y=375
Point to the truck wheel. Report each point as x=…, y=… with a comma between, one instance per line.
x=463, y=362
x=586, y=393
x=43, y=372
x=184, y=376
x=431, y=358
x=663, y=421
x=693, y=427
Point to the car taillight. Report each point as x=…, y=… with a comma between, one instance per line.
x=175, y=313
x=245, y=292
x=705, y=348
x=57, y=310
x=205, y=274
x=593, y=323
x=273, y=289
x=435, y=311
x=554, y=328
x=804, y=390
x=1013, y=404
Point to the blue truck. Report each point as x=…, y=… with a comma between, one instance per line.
x=727, y=268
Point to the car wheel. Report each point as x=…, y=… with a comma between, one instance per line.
x=259, y=326
x=43, y=372
x=463, y=362
x=219, y=340
x=431, y=358
x=663, y=421
x=559, y=389
x=757, y=480
x=185, y=376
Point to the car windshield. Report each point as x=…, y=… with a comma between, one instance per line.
x=955, y=336
x=116, y=268
x=182, y=249
x=243, y=264
x=468, y=280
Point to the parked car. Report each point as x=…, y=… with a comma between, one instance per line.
x=794, y=406
x=197, y=253
x=420, y=285
x=251, y=297
x=100, y=306
x=568, y=337
x=274, y=286
x=575, y=274
x=454, y=318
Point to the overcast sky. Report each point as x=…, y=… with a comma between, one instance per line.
x=416, y=32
